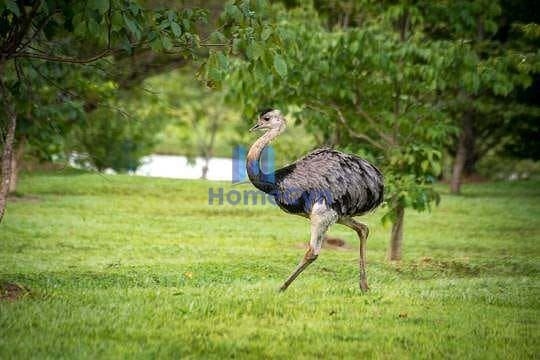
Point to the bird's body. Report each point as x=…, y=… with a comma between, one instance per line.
x=348, y=184
x=326, y=185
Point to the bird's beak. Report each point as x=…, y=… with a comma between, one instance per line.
x=255, y=127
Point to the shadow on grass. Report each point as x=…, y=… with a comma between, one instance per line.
x=12, y=291
x=428, y=268
x=226, y=275
x=499, y=189
x=116, y=275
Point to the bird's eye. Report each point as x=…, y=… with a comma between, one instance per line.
x=266, y=118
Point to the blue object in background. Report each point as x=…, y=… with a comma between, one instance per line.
x=267, y=164
x=239, y=173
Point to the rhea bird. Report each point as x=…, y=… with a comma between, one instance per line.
x=326, y=186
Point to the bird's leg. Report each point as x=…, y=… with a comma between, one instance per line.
x=363, y=231
x=321, y=218
x=308, y=258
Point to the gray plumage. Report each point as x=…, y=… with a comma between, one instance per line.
x=348, y=184
x=326, y=185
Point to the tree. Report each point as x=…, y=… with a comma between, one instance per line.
x=371, y=89
x=118, y=134
x=491, y=63
x=67, y=33
x=59, y=32
x=195, y=114
x=47, y=111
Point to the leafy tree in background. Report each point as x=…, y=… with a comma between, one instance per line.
x=370, y=89
x=61, y=32
x=520, y=26
x=381, y=81
x=195, y=115
x=118, y=133
x=524, y=131
x=45, y=111
x=490, y=65
x=199, y=123
x=90, y=36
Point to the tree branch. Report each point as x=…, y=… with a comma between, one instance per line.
x=388, y=139
x=70, y=60
x=109, y=24
x=54, y=84
x=36, y=33
x=16, y=37
x=354, y=133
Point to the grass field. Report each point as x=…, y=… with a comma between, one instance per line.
x=127, y=267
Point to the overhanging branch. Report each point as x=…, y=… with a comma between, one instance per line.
x=388, y=139
x=70, y=60
x=353, y=133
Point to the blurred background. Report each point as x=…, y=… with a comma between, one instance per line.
x=429, y=91
x=102, y=256
x=186, y=78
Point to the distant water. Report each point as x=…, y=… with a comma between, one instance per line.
x=177, y=167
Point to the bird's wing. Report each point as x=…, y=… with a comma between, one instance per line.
x=345, y=182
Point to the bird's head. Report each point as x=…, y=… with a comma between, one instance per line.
x=270, y=119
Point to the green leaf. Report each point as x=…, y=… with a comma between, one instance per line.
x=176, y=29
x=222, y=60
x=100, y=5
x=11, y=5
x=167, y=43
x=126, y=45
x=186, y=24
x=217, y=37
x=214, y=74
x=254, y=51
x=437, y=169
x=280, y=65
x=266, y=33
x=354, y=47
x=117, y=22
x=156, y=45
x=80, y=25
x=93, y=27
x=134, y=8
x=132, y=26
x=388, y=218
x=233, y=12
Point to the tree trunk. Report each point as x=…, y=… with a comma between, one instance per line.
x=208, y=149
x=7, y=144
x=396, y=239
x=204, y=174
x=465, y=138
x=16, y=161
x=459, y=163
x=469, y=168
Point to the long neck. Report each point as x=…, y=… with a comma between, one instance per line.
x=259, y=179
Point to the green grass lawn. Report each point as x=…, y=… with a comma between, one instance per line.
x=128, y=267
